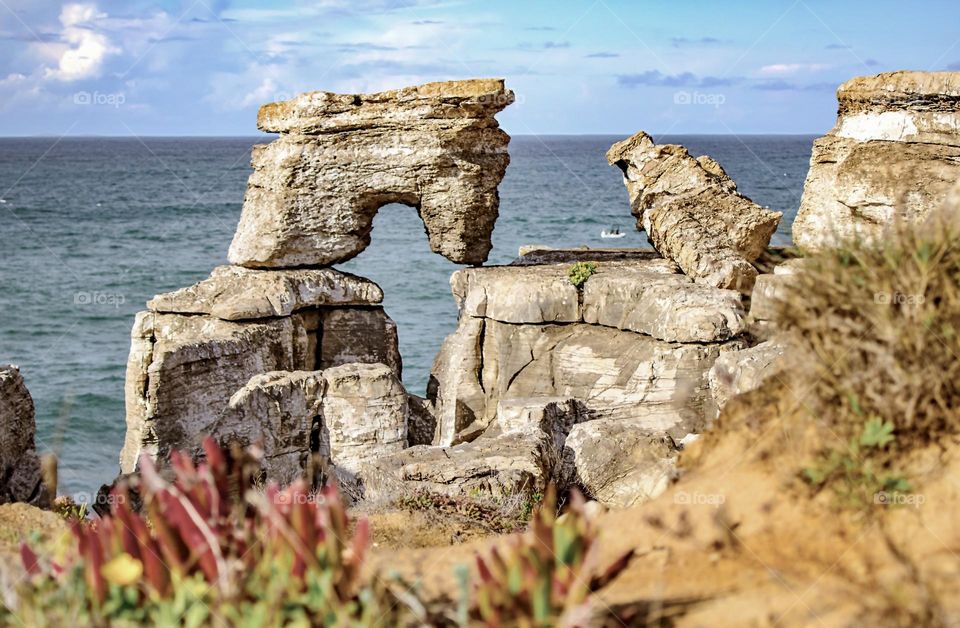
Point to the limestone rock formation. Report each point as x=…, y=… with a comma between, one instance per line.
x=895, y=149
x=235, y=293
x=19, y=465
x=339, y=158
x=621, y=463
x=692, y=212
x=738, y=372
x=642, y=372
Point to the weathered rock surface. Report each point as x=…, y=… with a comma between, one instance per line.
x=183, y=370
x=771, y=288
x=365, y=335
x=281, y=411
x=894, y=149
x=692, y=212
x=621, y=463
x=668, y=307
x=315, y=190
x=21, y=479
x=365, y=410
x=738, y=372
x=234, y=293
x=532, y=294
x=615, y=374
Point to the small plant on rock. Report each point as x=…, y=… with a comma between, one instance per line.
x=580, y=272
x=544, y=576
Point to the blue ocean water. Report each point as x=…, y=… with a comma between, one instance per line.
x=93, y=227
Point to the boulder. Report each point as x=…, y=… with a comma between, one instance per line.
x=692, y=212
x=737, y=372
x=183, y=370
x=281, y=411
x=365, y=335
x=455, y=389
x=665, y=306
x=22, y=479
x=621, y=463
x=235, y=293
x=895, y=150
x=365, y=411
x=340, y=157
x=517, y=294
x=771, y=288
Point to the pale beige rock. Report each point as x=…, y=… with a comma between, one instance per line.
x=364, y=335
x=236, y=293
x=21, y=479
x=615, y=374
x=895, y=150
x=737, y=372
x=183, y=370
x=365, y=411
x=692, y=212
x=315, y=190
x=620, y=463
x=517, y=294
x=279, y=411
x=666, y=306
x=771, y=289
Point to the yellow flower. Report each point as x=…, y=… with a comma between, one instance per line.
x=123, y=570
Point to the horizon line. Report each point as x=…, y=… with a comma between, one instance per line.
x=266, y=135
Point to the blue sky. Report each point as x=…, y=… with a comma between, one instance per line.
x=202, y=67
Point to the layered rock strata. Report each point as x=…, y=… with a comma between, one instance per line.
x=21, y=479
x=692, y=212
x=895, y=150
x=340, y=157
x=634, y=343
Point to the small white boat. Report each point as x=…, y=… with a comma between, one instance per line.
x=611, y=234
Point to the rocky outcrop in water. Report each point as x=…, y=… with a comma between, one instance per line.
x=21, y=479
x=340, y=157
x=692, y=212
x=895, y=149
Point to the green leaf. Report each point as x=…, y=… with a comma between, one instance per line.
x=877, y=433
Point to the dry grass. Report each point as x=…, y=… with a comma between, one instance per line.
x=880, y=326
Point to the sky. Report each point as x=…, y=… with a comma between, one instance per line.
x=203, y=67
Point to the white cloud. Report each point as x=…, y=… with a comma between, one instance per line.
x=781, y=69
x=87, y=48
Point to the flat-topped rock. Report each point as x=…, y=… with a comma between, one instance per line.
x=535, y=294
x=738, y=372
x=536, y=254
x=315, y=190
x=665, y=306
x=895, y=150
x=692, y=212
x=236, y=293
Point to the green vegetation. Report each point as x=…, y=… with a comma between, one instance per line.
x=580, y=272
x=497, y=516
x=541, y=577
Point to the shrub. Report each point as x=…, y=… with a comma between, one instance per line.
x=880, y=323
x=543, y=576
x=214, y=550
x=580, y=272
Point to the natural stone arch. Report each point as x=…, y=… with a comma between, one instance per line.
x=315, y=190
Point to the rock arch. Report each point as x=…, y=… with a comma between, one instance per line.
x=339, y=158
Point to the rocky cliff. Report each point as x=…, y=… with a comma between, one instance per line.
x=21, y=479
x=895, y=150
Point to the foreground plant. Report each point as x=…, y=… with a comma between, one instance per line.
x=544, y=576
x=211, y=550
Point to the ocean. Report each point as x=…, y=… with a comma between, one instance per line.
x=92, y=228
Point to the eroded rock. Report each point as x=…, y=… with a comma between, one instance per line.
x=235, y=293
x=21, y=479
x=737, y=372
x=621, y=463
x=365, y=335
x=895, y=149
x=315, y=190
x=692, y=212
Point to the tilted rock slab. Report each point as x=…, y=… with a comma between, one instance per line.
x=738, y=372
x=621, y=463
x=692, y=211
x=21, y=479
x=895, y=148
x=315, y=190
x=235, y=293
